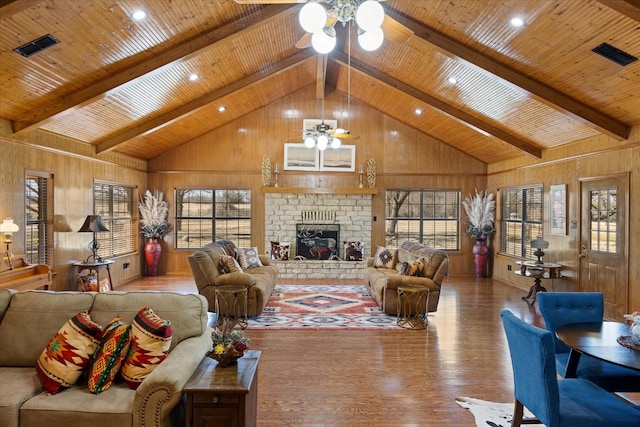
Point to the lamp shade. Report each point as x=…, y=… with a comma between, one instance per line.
x=539, y=243
x=8, y=226
x=92, y=224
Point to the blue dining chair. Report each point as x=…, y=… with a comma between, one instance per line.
x=563, y=308
x=556, y=402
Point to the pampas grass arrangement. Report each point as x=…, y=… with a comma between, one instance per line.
x=153, y=211
x=480, y=211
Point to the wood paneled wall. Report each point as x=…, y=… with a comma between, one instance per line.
x=567, y=165
x=73, y=178
x=231, y=157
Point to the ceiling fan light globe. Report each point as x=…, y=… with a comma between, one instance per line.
x=336, y=143
x=323, y=142
x=371, y=40
x=369, y=15
x=312, y=17
x=322, y=43
x=309, y=142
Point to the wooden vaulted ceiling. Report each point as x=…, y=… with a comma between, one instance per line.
x=122, y=86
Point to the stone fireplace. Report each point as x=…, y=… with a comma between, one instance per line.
x=287, y=214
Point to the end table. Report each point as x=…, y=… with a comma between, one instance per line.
x=227, y=396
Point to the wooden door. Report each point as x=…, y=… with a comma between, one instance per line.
x=604, y=246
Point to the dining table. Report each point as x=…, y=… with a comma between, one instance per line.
x=599, y=340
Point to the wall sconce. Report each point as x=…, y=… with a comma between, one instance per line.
x=8, y=227
x=93, y=224
x=539, y=244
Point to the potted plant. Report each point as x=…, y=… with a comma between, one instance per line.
x=229, y=344
x=480, y=210
x=153, y=226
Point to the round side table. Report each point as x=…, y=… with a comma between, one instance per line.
x=413, y=302
x=231, y=304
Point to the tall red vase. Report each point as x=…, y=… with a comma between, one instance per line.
x=481, y=257
x=152, y=251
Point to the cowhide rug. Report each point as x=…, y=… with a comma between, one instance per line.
x=491, y=414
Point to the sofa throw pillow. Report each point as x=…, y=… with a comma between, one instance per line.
x=228, y=264
x=385, y=258
x=249, y=258
x=413, y=268
x=67, y=355
x=280, y=251
x=150, y=341
x=353, y=251
x=108, y=358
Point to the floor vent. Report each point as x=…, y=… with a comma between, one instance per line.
x=614, y=54
x=36, y=45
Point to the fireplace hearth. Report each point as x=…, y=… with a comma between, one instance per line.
x=317, y=241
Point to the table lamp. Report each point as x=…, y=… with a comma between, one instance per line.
x=8, y=227
x=93, y=224
x=539, y=244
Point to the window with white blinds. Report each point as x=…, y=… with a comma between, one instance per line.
x=39, y=218
x=114, y=203
x=522, y=215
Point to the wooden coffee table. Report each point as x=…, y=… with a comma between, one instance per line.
x=224, y=396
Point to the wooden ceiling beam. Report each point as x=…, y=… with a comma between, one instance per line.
x=629, y=8
x=11, y=7
x=448, y=109
x=148, y=126
x=543, y=93
x=157, y=63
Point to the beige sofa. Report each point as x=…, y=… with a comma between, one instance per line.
x=207, y=273
x=382, y=283
x=29, y=320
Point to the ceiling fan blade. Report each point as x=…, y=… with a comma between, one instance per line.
x=395, y=31
x=343, y=135
x=269, y=1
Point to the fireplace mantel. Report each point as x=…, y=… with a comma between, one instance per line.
x=319, y=190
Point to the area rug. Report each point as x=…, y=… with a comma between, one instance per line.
x=491, y=414
x=321, y=307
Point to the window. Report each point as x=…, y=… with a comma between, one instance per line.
x=521, y=220
x=114, y=204
x=431, y=217
x=38, y=214
x=604, y=220
x=207, y=215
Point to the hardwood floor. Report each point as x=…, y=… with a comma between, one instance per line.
x=391, y=377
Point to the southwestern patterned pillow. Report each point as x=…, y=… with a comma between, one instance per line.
x=228, y=264
x=353, y=251
x=280, y=251
x=68, y=353
x=109, y=355
x=249, y=258
x=413, y=268
x=151, y=339
x=385, y=258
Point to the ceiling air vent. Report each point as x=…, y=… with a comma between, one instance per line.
x=616, y=55
x=36, y=45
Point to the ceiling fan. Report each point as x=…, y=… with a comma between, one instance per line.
x=323, y=37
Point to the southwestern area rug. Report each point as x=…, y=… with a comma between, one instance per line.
x=321, y=307
x=491, y=414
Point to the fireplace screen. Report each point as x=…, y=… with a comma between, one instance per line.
x=317, y=241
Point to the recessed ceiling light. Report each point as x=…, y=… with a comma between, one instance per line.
x=222, y=109
x=418, y=111
x=138, y=15
x=517, y=21
x=452, y=80
x=193, y=77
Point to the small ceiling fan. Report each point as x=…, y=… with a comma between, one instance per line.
x=323, y=35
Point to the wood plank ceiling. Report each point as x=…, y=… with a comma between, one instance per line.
x=122, y=85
